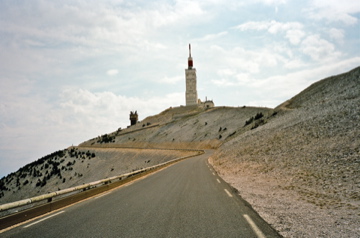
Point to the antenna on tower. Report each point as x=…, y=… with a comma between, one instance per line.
x=190, y=60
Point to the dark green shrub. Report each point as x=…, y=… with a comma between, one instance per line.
x=257, y=124
x=248, y=122
x=2, y=185
x=258, y=116
x=232, y=134
x=38, y=183
x=106, y=139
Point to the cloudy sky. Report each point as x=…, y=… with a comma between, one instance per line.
x=73, y=70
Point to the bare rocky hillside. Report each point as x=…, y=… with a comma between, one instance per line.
x=301, y=170
x=78, y=165
x=156, y=139
x=184, y=128
x=298, y=165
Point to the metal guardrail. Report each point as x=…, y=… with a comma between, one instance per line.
x=87, y=186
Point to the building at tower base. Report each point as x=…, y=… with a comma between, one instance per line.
x=206, y=104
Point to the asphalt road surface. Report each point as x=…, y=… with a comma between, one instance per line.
x=186, y=199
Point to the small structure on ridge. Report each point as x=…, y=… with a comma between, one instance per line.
x=133, y=118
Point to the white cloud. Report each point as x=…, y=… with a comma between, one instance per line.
x=223, y=82
x=293, y=30
x=225, y=77
x=276, y=27
x=107, y=108
x=212, y=36
x=90, y=25
x=284, y=86
x=31, y=125
x=254, y=25
x=348, y=6
x=318, y=48
x=273, y=2
x=337, y=34
x=112, y=72
x=178, y=13
x=170, y=80
x=288, y=85
x=294, y=63
x=243, y=79
x=226, y=72
x=312, y=45
x=272, y=27
x=334, y=11
x=295, y=36
x=245, y=60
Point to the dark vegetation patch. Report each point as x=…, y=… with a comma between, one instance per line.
x=106, y=139
x=43, y=169
x=147, y=124
x=256, y=120
x=252, y=119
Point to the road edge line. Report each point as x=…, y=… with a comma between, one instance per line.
x=255, y=228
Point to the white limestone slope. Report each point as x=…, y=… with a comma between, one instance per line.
x=301, y=171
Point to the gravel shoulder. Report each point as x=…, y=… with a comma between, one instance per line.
x=301, y=170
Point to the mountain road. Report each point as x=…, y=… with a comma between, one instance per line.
x=186, y=199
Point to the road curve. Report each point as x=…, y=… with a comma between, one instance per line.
x=186, y=199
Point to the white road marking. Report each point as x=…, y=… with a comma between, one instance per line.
x=43, y=219
x=129, y=183
x=101, y=195
x=214, y=174
x=218, y=180
x=254, y=227
x=228, y=193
